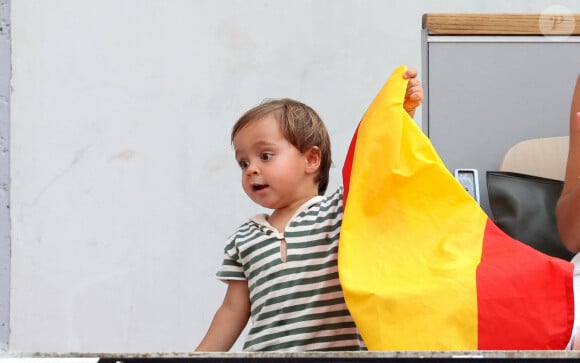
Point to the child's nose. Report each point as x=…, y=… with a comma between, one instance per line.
x=252, y=169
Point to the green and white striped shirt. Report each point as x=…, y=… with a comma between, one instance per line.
x=297, y=304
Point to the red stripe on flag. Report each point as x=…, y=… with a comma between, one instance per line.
x=525, y=298
x=347, y=166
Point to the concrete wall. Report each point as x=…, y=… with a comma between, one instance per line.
x=4, y=174
x=123, y=182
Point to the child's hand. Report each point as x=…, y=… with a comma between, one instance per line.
x=414, y=94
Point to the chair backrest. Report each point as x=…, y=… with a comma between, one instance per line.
x=524, y=206
x=545, y=157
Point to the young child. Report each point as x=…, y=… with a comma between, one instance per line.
x=281, y=269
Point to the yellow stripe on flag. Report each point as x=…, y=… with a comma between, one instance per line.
x=394, y=221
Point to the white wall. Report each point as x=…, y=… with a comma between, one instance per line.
x=123, y=182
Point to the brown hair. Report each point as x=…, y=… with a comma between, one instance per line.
x=300, y=125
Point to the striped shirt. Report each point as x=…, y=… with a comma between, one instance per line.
x=297, y=304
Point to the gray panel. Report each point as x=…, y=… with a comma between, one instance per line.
x=484, y=97
x=4, y=174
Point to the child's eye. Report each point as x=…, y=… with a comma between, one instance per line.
x=266, y=156
x=243, y=164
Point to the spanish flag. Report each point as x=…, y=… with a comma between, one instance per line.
x=421, y=264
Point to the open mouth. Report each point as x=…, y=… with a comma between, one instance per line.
x=257, y=187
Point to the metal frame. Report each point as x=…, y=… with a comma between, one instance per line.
x=427, y=38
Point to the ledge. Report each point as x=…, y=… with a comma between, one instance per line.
x=502, y=24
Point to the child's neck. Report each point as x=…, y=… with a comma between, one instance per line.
x=280, y=217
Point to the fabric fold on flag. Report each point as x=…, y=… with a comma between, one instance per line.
x=421, y=264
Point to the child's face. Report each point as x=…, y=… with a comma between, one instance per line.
x=275, y=174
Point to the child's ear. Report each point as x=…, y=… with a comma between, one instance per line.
x=313, y=157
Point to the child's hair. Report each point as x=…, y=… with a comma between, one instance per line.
x=300, y=125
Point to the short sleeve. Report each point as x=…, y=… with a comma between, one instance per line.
x=231, y=268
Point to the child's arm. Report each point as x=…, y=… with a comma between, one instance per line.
x=414, y=94
x=229, y=320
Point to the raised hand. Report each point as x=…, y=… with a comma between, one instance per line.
x=414, y=94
